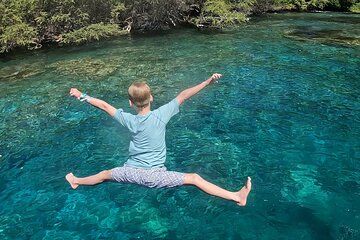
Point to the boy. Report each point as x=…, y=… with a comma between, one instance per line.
x=147, y=149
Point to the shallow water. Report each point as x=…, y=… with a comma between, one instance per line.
x=286, y=113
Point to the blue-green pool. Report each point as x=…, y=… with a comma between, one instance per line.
x=286, y=113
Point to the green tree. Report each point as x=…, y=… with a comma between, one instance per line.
x=144, y=15
x=15, y=31
x=355, y=8
x=222, y=13
x=31, y=23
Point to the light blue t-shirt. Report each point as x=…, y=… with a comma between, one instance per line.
x=147, y=147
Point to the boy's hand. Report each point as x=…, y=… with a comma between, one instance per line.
x=189, y=92
x=75, y=93
x=214, y=78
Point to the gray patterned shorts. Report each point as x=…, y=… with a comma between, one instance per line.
x=153, y=177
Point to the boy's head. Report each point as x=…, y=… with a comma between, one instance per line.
x=140, y=94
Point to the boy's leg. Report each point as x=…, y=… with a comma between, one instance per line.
x=239, y=197
x=90, y=180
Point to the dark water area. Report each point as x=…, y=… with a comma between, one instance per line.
x=286, y=113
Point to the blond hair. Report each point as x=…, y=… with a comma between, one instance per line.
x=139, y=94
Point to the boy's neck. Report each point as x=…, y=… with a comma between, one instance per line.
x=143, y=111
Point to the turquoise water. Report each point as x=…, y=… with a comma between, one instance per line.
x=286, y=113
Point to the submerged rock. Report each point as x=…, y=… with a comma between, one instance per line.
x=20, y=71
x=325, y=36
x=85, y=67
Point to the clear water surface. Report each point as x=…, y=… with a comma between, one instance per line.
x=286, y=113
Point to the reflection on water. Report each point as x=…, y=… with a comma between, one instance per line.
x=286, y=112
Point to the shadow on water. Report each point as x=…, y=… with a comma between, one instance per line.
x=295, y=214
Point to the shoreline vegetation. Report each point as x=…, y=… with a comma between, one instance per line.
x=32, y=24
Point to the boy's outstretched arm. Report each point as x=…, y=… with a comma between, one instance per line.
x=98, y=103
x=187, y=93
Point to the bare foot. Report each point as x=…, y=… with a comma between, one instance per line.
x=243, y=193
x=70, y=178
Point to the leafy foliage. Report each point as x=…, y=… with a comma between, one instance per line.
x=222, y=13
x=303, y=5
x=32, y=23
x=19, y=35
x=355, y=8
x=91, y=33
x=144, y=15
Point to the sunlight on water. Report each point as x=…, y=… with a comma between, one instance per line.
x=286, y=113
